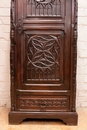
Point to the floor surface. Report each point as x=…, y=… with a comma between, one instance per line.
x=43, y=125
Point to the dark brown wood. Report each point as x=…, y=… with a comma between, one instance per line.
x=43, y=60
x=69, y=118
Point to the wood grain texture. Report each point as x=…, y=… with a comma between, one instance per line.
x=43, y=60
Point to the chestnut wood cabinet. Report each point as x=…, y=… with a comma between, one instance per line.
x=43, y=60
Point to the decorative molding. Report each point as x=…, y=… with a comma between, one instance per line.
x=12, y=20
x=75, y=55
x=12, y=54
x=43, y=103
x=20, y=26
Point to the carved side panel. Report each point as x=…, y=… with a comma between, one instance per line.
x=75, y=54
x=43, y=54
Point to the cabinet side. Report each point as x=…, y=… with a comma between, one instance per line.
x=74, y=53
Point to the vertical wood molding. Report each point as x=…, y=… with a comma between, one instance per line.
x=75, y=55
x=12, y=55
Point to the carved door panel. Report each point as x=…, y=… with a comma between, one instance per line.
x=43, y=40
x=42, y=64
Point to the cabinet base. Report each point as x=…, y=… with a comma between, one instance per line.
x=69, y=118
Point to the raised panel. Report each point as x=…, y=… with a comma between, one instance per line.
x=44, y=8
x=43, y=58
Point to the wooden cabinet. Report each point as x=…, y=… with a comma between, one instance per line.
x=43, y=60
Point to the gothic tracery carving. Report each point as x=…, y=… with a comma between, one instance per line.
x=43, y=51
x=43, y=103
x=43, y=54
x=44, y=7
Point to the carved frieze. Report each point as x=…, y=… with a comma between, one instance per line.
x=43, y=103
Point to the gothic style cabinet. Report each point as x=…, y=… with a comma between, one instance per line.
x=43, y=60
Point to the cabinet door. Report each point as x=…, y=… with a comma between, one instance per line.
x=43, y=43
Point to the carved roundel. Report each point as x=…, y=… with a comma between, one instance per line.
x=44, y=1
x=43, y=51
